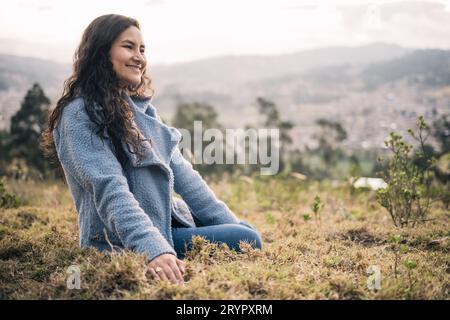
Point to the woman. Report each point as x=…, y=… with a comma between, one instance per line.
x=122, y=163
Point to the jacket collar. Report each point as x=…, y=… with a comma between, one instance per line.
x=163, y=139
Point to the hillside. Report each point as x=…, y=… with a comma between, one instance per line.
x=369, y=89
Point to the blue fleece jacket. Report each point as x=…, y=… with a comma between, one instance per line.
x=131, y=207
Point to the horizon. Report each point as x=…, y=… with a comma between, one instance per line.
x=176, y=32
x=237, y=55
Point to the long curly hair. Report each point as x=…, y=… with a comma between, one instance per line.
x=94, y=79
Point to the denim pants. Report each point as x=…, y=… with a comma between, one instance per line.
x=231, y=234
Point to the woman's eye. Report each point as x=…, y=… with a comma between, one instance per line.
x=129, y=47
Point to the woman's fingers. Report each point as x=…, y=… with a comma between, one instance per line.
x=167, y=267
x=170, y=274
x=181, y=266
x=162, y=274
x=177, y=272
x=153, y=273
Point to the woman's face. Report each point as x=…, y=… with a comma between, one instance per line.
x=128, y=58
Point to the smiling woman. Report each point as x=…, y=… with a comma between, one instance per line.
x=122, y=164
x=128, y=57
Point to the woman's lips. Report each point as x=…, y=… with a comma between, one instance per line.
x=135, y=68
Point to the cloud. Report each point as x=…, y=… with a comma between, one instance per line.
x=409, y=23
x=179, y=31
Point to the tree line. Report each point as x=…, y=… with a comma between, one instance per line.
x=21, y=157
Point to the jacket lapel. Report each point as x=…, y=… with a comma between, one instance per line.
x=163, y=139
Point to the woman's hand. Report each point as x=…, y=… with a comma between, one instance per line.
x=167, y=267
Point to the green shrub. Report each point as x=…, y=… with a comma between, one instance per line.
x=407, y=196
x=7, y=200
x=316, y=207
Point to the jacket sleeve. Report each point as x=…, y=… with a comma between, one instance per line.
x=91, y=162
x=198, y=196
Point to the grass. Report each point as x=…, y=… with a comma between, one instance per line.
x=301, y=259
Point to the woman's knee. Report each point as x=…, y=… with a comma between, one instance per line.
x=245, y=223
x=249, y=234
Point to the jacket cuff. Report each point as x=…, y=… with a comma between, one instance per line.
x=154, y=246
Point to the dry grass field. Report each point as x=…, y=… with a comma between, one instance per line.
x=305, y=256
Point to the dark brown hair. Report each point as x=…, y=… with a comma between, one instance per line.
x=94, y=79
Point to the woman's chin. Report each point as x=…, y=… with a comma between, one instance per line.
x=132, y=82
x=136, y=82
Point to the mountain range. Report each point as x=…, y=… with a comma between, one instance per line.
x=370, y=89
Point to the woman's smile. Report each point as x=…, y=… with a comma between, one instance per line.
x=128, y=57
x=135, y=68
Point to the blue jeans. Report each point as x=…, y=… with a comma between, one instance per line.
x=231, y=234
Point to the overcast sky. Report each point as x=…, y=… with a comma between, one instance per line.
x=181, y=30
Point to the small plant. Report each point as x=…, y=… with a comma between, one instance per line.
x=407, y=196
x=316, y=207
x=306, y=217
x=410, y=265
x=270, y=219
x=7, y=200
x=397, y=247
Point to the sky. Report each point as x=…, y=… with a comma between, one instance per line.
x=179, y=31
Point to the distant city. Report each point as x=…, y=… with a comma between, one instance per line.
x=370, y=90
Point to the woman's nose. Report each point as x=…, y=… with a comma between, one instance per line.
x=139, y=58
